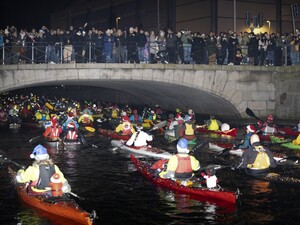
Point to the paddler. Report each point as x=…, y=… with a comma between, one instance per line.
x=250, y=130
x=125, y=127
x=139, y=138
x=181, y=165
x=213, y=123
x=39, y=174
x=257, y=159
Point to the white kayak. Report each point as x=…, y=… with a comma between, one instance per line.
x=237, y=152
x=145, y=151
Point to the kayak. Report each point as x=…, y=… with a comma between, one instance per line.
x=232, y=132
x=219, y=146
x=284, y=143
x=61, y=206
x=53, y=144
x=270, y=176
x=113, y=134
x=288, y=131
x=145, y=151
x=195, y=191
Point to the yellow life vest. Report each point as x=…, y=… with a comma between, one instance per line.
x=297, y=140
x=213, y=125
x=262, y=160
x=189, y=129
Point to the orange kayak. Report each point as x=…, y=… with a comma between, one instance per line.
x=60, y=206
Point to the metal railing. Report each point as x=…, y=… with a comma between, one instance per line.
x=41, y=53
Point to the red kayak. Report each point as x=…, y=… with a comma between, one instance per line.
x=60, y=206
x=288, y=131
x=113, y=135
x=232, y=132
x=218, y=196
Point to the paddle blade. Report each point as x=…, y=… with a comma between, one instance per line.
x=251, y=113
x=90, y=129
x=159, y=125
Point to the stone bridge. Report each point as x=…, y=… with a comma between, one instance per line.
x=219, y=90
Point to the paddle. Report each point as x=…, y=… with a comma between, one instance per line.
x=214, y=166
x=75, y=195
x=4, y=159
x=35, y=139
x=251, y=113
x=90, y=129
x=158, y=125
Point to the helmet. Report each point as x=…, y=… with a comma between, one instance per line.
x=182, y=146
x=225, y=127
x=177, y=110
x=190, y=111
x=171, y=115
x=270, y=118
x=254, y=139
x=71, y=125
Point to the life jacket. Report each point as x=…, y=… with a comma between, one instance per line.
x=54, y=132
x=126, y=128
x=189, y=130
x=114, y=113
x=56, y=185
x=71, y=135
x=56, y=189
x=184, y=168
x=262, y=160
x=213, y=125
x=46, y=171
x=269, y=130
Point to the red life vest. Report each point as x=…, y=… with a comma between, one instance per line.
x=56, y=189
x=55, y=132
x=71, y=135
x=184, y=168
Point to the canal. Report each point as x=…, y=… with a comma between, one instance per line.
x=109, y=184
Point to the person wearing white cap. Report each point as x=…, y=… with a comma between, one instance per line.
x=250, y=129
x=39, y=174
x=139, y=138
x=181, y=165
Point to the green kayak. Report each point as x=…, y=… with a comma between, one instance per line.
x=284, y=142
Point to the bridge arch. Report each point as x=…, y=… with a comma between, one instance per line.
x=221, y=90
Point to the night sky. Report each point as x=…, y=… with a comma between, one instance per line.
x=30, y=13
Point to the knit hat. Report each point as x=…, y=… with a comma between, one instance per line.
x=39, y=153
x=125, y=119
x=182, y=146
x=251, y=128
x=55, y=178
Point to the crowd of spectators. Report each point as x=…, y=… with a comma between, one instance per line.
x=136, y=45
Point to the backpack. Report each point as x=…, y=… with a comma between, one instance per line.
x=262, y=160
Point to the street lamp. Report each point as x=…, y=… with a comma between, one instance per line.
x=117, y=22
x=269, y=23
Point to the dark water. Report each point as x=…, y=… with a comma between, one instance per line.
x=110, y=185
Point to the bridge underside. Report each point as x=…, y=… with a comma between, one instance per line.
x=136, y=92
